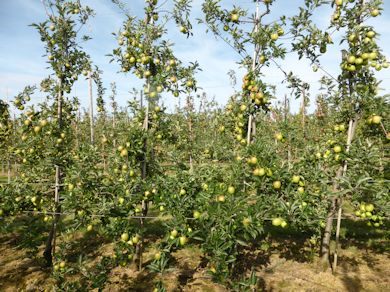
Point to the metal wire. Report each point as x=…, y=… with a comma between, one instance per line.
x=187, y=218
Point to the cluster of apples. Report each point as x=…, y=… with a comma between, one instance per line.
x=356, y=62
x=139, y=55
x=335, y=149
x=238, y=112
x=279, y=137
x=279, y=222
x=21, y=101
x=239, y=125
x=258, y=171
x=154, y=125
x=253, y=97
x=340, y=128
x=298, y=180
x=254, y=90
x=374, y=11
x=374, y=119
x=134, y=240
x=276, y=34
x=364, y=52
x=232, y=18
x=183, y=240
x=366, y=211
x=124, y=169
x=60, y=266
x=32, y=123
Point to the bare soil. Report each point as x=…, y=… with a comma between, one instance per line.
x=359, y=269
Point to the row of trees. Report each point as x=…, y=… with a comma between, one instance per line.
x=218, y=175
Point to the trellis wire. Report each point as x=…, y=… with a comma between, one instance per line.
x=156, y=217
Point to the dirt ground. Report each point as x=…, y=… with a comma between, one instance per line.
x=358, y=270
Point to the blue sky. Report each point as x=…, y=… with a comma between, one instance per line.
x=22, y=63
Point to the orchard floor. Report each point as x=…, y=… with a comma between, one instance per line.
x=282, y=264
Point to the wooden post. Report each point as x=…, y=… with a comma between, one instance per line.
x=338, y=202
x=56, y=206
x=189, y=111
x=249, y=133
x=9, y=171
x=251, y=122
x=303, y=109
x=143, y=176
x=90, y=106
x=351, y=132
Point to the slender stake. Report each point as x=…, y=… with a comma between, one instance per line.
x=304, y=113
x=251, y=122
x=249, y=129
x=56, y=206
x=337, y=234
x=143, y=176
x=90, y=106
x=189, y=111
x=351, y=132
x=9, y=171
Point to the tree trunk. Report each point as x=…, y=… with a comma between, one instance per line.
x=342, y=170
x=51, y=240
x=325, y=247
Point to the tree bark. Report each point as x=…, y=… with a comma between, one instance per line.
x=51, y=240
x=342, y=170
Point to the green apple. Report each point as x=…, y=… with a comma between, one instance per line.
x=231, y=190
x=174, y=233
x=274, y=36
x=279, y=136
x=295, y=179
x=135, y=239
x=375, y=12
x=234, y=17
x=221, y=198
x=277, y=221
x=125, y=236
x=376, y=119
x=337, y=149
x=183, y=240
x=370, y=34
x=246, y=222
x=252, y=160
x=277, y=184
x=157, y=256
x=369, y=207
